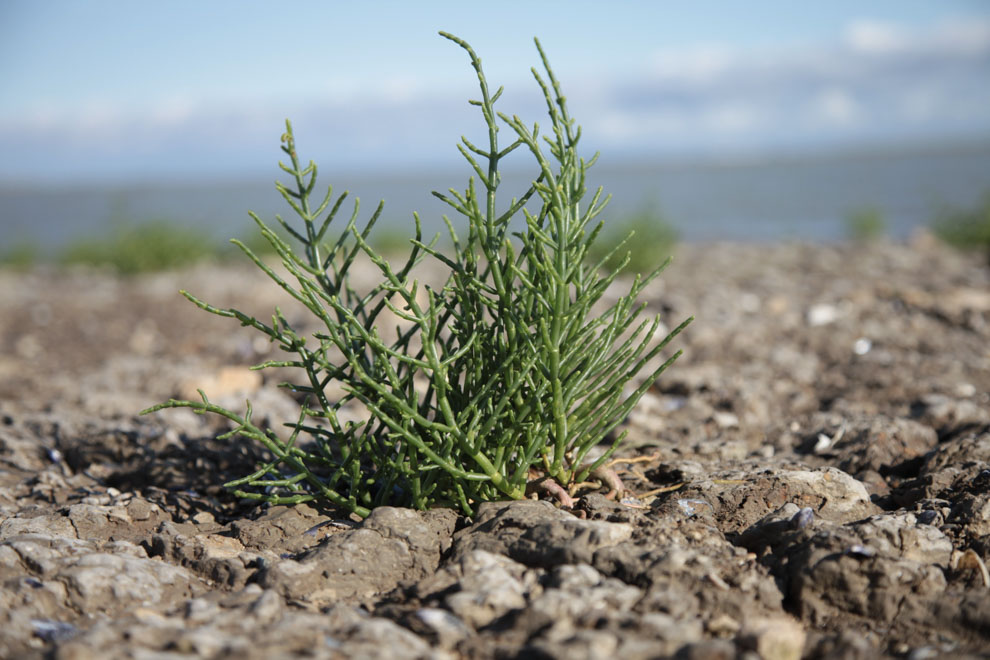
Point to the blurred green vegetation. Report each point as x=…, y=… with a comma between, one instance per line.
x=253, y=240
x=965, y=228
x=137, y=247
x=653, y=239
x=392, y=240
x=20, y=255
x=140, y=248
x=131, y=248
x=865, y=224
x=387, y=240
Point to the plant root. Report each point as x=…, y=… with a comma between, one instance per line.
x=558, y=491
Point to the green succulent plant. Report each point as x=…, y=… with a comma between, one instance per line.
x=505, y=377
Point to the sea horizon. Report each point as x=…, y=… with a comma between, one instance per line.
x=799, y=196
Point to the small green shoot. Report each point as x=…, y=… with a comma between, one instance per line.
x=865, y=224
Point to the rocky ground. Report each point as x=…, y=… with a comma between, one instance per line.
x=812, y=480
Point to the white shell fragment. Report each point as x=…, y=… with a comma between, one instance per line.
x=822, y=314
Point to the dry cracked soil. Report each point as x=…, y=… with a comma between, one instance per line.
x=810, y=480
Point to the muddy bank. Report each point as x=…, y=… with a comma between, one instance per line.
x=812, y=480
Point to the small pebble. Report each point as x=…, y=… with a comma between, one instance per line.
x=312, y=531
x=822, y=315
x=965, y=390
x=860, y=551
x=448, y=627
x=692, y=507
x=862, y=346
x=725, y=420
x=52, y=631
x=802, y=518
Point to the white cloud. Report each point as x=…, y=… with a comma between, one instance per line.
x=622, y=126
x=38, y=119
x=837, y=106
x=964, y=37
x=732, y=117
x=670, y=124
x=968, y=37
x=697, y=64
x=98, y=114
x=400, y=89
x=867, y=36
x=173, y=110
x=879, y=81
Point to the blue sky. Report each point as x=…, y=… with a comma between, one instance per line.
x=111, y=91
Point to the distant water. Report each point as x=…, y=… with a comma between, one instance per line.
x=799, y=199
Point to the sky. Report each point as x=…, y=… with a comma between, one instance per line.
x=111, y=91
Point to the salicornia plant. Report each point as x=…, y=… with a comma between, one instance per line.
x=502, y=379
